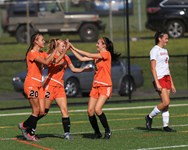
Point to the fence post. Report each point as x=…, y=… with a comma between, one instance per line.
x=128, y=47
x=0, y=22
x=187, y=71
x=139, y=16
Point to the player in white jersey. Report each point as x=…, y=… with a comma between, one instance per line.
x=162, y=80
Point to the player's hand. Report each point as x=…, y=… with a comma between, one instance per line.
x=88, y=67
x=159, y=88
x=173, y=89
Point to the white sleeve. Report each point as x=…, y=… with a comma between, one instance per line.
x=153, y=54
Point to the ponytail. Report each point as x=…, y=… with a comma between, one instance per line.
x=33, y=38
x=110, y=48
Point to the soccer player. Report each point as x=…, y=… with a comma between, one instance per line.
x=102, y=83
x=33, y=88
x=163, y=82
x=54, y=83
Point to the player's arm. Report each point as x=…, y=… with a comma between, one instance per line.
x=46, y=60
x=154, y=73
x=87, y=54
x=81, y=58
x=172, y=84
x=73, y=69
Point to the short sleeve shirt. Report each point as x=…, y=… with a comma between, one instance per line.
x=103, y=70
x=34, y=69
x=160, y=55
x=56, y=71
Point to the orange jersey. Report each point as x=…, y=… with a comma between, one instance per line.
x=56, y=72
x=103, y=70
x=34, y=69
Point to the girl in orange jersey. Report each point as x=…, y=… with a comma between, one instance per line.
x=54, y=84
x=33, y=84
x=102, y=83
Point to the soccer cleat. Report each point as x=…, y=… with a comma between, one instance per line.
x=31, y=137
x=107, y=135
x=23, y=129
x=97, y=135
x=67, y=136
x=148, y=122
x=168, y=129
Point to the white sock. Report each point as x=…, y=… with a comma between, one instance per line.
x=165, y=117
x=154, y=112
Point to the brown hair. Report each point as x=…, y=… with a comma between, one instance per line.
x=110, y=48
x=32, y=40
x=158, y=35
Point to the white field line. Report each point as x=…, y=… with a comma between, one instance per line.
x=114, y=130
x=165, y=147
x=151, y=148
x=84, y=110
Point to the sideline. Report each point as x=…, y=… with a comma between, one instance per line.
x=84, y=110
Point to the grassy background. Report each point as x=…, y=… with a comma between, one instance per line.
x=127, y=125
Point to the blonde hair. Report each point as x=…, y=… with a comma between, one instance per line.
x=52, y=44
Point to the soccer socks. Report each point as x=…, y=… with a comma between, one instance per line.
x=165, y=117
x=31, y=124
x=66, y=124
x=154, y=112
x=104, y=122
x=26, y=123
x=41, y=116
x=94, y=124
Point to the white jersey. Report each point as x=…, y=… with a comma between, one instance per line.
x=161, y=56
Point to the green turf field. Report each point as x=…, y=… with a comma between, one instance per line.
x=126, y=121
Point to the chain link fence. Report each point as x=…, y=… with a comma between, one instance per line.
x=178, y=65
x=116, y=30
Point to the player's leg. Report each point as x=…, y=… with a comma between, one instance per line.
x=165, y=112
x=62, y=103
x=154, y=112
x=46, y=110
x=31, y=122
x=92, y=117
x=28, y=126
x=98, y=110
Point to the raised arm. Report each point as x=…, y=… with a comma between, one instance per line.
x=81, y=58
x=87, y=54
x=47, y=60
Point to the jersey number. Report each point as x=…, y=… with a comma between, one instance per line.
x=33, y=93
x=47, y=94
x=166, y=60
